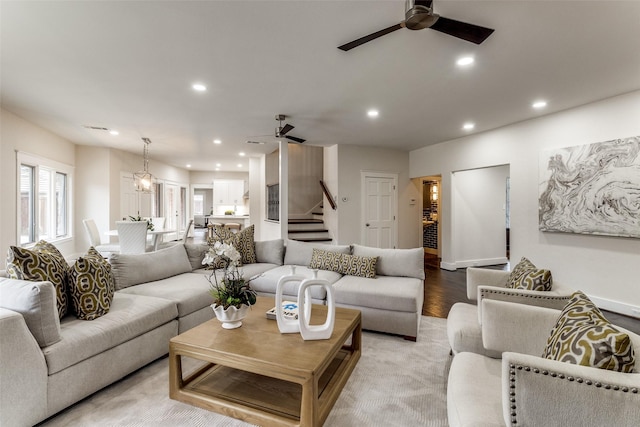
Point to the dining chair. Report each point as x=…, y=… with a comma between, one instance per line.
x=185, y=236
x=158, y=222
x=132, y=236
x=96, y=241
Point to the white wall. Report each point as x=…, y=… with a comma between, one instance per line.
x=479, y=217
x=606, y=268
x=17, y=134
x=354, y=159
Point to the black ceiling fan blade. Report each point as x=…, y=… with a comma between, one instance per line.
x=469, y=32
x=365, y=39
x=286, y=128
x=295, y=139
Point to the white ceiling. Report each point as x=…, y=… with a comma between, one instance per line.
x=129, y=65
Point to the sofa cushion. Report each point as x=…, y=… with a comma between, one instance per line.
x=474, y=391
x=583, y=336
x=41, y=263
x=326, y=260
x=527, y=276
x=242, y=240
x=395, y=262
x=244, y=243
x=36, y=302
x=129, y=317
x=133, y=269
x=195, y=253
x=356, y=265
x=300, y=253
x=353, y=265
x=188, y=291
x=270, y=251
x=91, y=285
x=268, y=281
x=383, y=292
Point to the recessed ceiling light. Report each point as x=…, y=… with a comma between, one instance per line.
x=114, y=132
x=241, y=154
x=188, y=166
x=217, y=141
x=239, y=165
x=217, y=169
x=468, y=126
x=199, y=87
x=373, y=113
x=539, y=104
x=218, y=165
x=465, y=60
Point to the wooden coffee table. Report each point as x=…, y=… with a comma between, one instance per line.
x=256, y=374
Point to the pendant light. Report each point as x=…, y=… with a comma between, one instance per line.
x=143, y=180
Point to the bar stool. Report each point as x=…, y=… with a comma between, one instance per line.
x=233, y=226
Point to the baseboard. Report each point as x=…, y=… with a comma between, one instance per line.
x=617, y=306
x=473, y=263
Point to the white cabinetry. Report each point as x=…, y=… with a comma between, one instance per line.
x=228, y=192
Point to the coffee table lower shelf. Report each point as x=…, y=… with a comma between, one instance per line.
x=261, y=399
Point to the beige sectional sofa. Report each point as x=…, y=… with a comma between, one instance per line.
x=47, y=364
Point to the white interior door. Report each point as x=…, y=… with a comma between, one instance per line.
x=172, y=206
x=379, y=226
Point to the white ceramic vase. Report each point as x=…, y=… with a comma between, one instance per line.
x=230, y=318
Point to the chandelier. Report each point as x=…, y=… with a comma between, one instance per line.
x=143, y=180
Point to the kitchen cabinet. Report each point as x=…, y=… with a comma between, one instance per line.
x=228, y=192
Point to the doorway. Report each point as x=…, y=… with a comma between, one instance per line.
x=431, y=195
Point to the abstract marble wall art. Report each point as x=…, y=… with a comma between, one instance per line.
x=591, y=189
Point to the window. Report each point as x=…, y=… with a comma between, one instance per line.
x=44, y=200
x=198, y=204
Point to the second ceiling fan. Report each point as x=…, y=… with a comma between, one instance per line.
x=419, y=15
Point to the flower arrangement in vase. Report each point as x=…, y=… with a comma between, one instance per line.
x=232, y=294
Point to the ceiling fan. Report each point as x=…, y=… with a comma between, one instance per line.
x=282, y=131
x=419, y=14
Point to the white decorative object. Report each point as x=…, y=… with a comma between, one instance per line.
x=231, y=317
x=286, y=325
x=315, y=332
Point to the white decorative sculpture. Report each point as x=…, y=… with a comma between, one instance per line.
x=286, y=325
x=315, y=332
x=301, y=324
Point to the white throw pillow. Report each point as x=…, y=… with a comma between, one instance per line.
x=36, y=301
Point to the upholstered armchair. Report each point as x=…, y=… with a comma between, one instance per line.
x=464, y=319
x=524, y=389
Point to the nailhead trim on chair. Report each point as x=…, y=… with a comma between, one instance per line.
x=512, y=384
x=484, y=292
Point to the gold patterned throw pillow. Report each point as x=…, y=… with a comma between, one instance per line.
x=352, y=265
x=527, y=276
x=326, y=260
x=43, y=262
x=583, y=336
x=243, y=241
x=91, y=286
x=355, y=265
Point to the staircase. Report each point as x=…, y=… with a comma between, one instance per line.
x=309, y=229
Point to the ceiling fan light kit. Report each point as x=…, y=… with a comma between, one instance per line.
x=419, y=15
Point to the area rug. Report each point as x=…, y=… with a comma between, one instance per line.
x=395, y=383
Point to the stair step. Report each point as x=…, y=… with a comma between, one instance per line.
x=310, y=230
x=314, y=239
x=305, y=221
x=317, y=213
